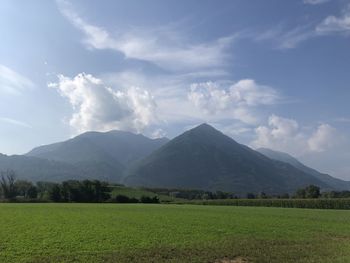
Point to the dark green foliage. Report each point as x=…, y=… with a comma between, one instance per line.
x=25, y=188
x=80, y=191
x=55, y=193
x=251, y=196
x=125, y=199
x=335, y=194
x=204, y=158
x=7, y=183
x=310, y=191
x=32, y=192
x=149, y=200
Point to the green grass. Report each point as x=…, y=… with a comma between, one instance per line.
x=171, y=233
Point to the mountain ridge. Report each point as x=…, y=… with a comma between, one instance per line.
x=205, y=158
x=285, y=157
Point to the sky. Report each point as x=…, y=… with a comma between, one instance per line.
x=271, y=74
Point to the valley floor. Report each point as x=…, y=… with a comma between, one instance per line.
x=171, y=233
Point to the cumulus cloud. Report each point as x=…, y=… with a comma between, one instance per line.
x=286, y=135
x=163, y=46
x=322, y=138
x=99, y=107
x=12, y=82
x=333, y=24
x=238, y=98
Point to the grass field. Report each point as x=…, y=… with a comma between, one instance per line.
x=171, y=233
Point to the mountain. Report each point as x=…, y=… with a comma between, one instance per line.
x=285, y=157
x=204, y=158
x=36, y=169
x=108, y=153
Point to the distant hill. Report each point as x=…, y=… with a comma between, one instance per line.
x=204, y=158
x=36, y=169
x=285, y=157
x=108, y=153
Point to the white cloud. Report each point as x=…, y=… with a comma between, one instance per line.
x=333, y=24
x=315, y=2
x=238, y=99
x=158, y=133
x=15, y=122
x=98, y=107
x=286, y=135
x=284, y=38
x=12, y=82
x=164, y=46
x=322, y=138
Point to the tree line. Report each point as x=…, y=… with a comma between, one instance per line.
x=87, y=191
x=98, y=191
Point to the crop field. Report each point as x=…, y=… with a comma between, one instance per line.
x=171, y=233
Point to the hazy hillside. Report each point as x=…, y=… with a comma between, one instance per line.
x=205, y=158
x=107, y=153
x=113, y=146
x=285, y=157
x=36, y=169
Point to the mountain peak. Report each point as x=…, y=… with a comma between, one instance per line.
x=204, y=127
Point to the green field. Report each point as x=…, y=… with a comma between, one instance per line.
x=171, y=233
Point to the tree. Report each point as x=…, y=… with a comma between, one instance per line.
x=23, y=187
x=300, y=193
x=312, y=191
x=55, y=193
x=250, y=196
x=263, y=195
x=7, y=183
x=32, y=192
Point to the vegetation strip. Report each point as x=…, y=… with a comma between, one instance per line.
x=286, y=203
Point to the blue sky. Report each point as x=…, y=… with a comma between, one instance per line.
x=268, y=73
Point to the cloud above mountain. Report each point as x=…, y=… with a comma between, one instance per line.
x=239, y=99
x=286, y=135
x=99, y=107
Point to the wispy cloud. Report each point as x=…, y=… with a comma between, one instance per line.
x=12, y=82
x=14, y=122
x=286, y=38
x=315, y=2
x=164, y=46
x=335, y=24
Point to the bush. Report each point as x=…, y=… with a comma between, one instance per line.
x=125, y=199
x=149, y=200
